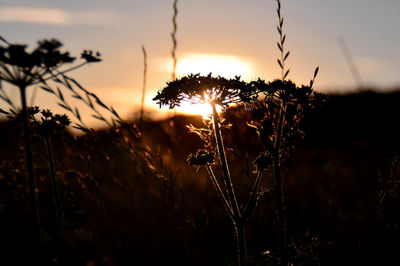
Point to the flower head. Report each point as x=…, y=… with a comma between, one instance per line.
x=201, y=157
x=49, y=123
x=201, y=89
x=23, y=68
x=263, y=161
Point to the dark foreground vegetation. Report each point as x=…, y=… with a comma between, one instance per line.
x=125, y=206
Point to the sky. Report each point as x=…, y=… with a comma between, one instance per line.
x=226, y=37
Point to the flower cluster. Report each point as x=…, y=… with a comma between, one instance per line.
x=263, y=161
x=218, y=90
x=49, y=123
x=205, y=89
x=201, y=157
x=23, y=68
x=90, y=57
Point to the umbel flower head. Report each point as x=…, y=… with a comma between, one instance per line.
x=23, y=68
x=201, y=157
x=49, y=123
x=205, y=89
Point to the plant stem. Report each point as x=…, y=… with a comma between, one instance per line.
x=144, y=83
x=56, y=193
x=251, y=203
x=29, y=168
x=220, y=193
x=224, y=163
x=241, y=243
x=278, y=187
x=238, y=223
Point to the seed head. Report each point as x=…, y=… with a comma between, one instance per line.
x=201, y=157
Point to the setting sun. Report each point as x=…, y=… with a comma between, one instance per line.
x=227, y=66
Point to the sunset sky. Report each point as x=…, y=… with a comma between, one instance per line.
x=234, y=37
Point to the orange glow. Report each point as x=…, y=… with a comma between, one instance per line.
x=227, y=66
x=203, y=107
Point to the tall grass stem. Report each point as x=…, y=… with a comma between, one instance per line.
x=29, y=168
x=56, y=193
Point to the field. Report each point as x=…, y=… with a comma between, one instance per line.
x=119, y=211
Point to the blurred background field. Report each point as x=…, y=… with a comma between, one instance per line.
x=120, y=212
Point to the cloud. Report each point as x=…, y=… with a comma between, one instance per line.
x=55, y=16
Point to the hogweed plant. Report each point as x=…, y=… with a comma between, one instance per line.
x=23, y=69
x=217, y=92
x=283, y=105
x=48, y=125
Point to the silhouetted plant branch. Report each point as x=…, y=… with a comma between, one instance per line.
x=214, y=91
x=144, y=82
x=46, y=127
x=174, y=40
x=23, y=69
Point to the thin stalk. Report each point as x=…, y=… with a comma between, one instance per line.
x=56, y=193
x=241, y=243
x=59, y=73
x=251, y=203
x=144, y=82
x=174, y=41
x=29, y=168
x=278, y=187
x=224, y=164
x=220, y=193
x=237, y=220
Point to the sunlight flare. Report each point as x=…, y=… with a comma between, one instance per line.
x=227, y=66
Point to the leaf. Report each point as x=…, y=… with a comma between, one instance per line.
x=113, y=122
x=4, y=112
x=60, y=95
x=4, y=40
x=279, y=30
x=286, y=74
x=77, y=96
x=286, y=56
x=98, y=117
x=316, y=71
x=99, y=101
x=47, y=89
x=65, y=106
x=279, y=46
x=80, y=127
x=57, y=80
x=77, y=84
x=280, y=63
x=115, y=112
x=77, y=114
x=89, y=101
x=68, y=85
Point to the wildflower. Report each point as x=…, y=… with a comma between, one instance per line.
x=23, y=68
x=49, y=123
x=201, y=157
x=263, y=161
x=200, y=89
x=90, y=57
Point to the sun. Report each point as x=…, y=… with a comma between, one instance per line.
x=202, y=109
x=227, y=66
